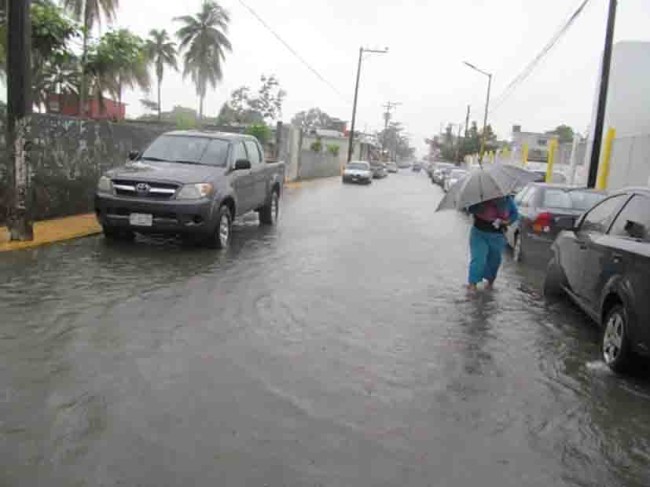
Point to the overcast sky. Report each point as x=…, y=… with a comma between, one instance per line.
x=428, y=40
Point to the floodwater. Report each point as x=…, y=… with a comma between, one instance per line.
x=337, y=349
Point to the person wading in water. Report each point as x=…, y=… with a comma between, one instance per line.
x=487, y=239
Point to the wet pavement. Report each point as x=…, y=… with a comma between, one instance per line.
x=337, y=349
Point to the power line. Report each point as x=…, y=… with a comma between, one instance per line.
x=293, y=51
x=530, y=67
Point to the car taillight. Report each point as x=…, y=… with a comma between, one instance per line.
x=542, y=223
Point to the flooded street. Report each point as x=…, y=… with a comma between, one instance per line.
x=337, y=349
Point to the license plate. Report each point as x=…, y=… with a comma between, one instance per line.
x=141, y=219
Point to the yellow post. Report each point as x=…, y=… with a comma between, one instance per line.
x=524, y=154
x=552, y=149
x=603, y=171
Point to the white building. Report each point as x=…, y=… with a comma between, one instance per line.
x=627, y=111
x=537, y=143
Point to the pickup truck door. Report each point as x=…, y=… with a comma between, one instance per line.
x=243, y=181
x=260, y=174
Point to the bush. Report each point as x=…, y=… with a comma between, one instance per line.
x=316, y=146
x=185, y=121
x=333, y=149
x=259, y=130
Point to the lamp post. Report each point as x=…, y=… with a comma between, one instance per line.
x=356, y=96
x=487, y=106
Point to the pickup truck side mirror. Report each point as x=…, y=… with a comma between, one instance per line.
x=134, y=155
x=242, y=164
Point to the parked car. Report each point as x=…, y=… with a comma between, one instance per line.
x=357, y=172
x=441, y=171
x=190, y=183
x=544, y=209
x=603, y=264
x=378, y=170
x=392, y=167
x=416, y=167
x=557, y=178
x=453, y=177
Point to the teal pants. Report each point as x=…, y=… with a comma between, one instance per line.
x=486, y=249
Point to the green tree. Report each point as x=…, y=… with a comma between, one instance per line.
x=203, y=38
x=261, y=131
x=89, y=13
x=564, y=133
x=269, y=99
x=162, y=52
x=312, y=119
x=124, y=57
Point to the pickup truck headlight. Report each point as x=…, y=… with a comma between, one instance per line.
x=104, y=185
x=195, y=191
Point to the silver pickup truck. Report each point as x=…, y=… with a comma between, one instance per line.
x=190, y=183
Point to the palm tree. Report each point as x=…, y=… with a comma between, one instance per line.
x=161, y=51
x=203, y=38
x=89, y=12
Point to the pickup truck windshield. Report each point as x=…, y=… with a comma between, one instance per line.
x=188, y=149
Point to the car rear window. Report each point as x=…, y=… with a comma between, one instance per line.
x=360, y=166
x=570, y=200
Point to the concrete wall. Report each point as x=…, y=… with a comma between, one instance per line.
x=67, y=157
x=318, y=165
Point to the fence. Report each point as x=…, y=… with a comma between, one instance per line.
x=67, y=157
x=318, y=165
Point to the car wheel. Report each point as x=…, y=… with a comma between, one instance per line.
x=554, y=280
x=269, y=213
x=616, y=350
x=112, y=233
x=221, y=237
x=518, y=249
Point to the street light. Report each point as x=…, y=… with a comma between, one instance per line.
x=487, y=105
x=356, y=96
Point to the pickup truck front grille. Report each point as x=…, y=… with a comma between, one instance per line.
x=144, y=189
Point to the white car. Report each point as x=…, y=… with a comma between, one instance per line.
x=357, y=172
x=454, y=176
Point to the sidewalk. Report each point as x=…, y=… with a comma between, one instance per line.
x=50, y=231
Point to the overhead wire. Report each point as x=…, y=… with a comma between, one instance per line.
x=293, y=51
x=530, y=67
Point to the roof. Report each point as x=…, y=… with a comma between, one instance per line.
x=567, y=187
x=634, y=189
x=211, y=134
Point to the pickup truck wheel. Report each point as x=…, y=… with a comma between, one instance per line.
x=112, y=233
x=269, y=212
x=554, y=280
x=616, y=350
x=220, y=239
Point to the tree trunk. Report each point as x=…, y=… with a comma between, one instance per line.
x=159, y=100
x=84, y=59
x=201, y=106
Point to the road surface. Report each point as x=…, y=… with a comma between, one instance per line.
x=337, y=349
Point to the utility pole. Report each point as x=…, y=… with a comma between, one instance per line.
x=389, y=106
x=487, y=107
x=602, y=96
x=19, y=109
x=469, y=107
x=356, y=97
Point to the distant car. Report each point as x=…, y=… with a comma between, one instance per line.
x=416, y=167
x=441, y=170
x=357, y=172
x=557, y=178
x=392, y=167
x=454, y=176
x=378, y=170
x=543, y=209
x=603, y=264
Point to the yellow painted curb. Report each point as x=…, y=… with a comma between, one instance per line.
x=50, y=231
